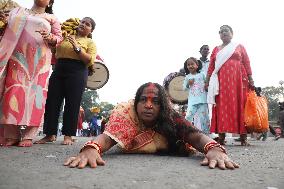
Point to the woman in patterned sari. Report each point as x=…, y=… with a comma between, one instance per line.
x=25, y=57
x=149, y=124
x=228, y=78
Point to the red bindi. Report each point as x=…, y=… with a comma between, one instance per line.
x=150, y=93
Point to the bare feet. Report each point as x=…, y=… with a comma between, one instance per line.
x=68, y=140
x=10, y=142
x=25, y=143
x=51, y=138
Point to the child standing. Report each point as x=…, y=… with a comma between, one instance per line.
x=194, y=82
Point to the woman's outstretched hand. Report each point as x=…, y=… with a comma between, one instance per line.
x=89, y=156
x=216, y=158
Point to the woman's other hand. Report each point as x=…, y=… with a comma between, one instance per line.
x=72, y=40
x=45, y=35
x=206, y=85
x=216, y=158
x=89, y=156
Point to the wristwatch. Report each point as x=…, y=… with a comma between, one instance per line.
x=77, y=50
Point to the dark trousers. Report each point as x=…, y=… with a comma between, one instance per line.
x=67, y=81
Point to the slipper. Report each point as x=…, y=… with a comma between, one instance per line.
x=25, y=143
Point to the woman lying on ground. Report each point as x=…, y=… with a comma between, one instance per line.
x=149, y=124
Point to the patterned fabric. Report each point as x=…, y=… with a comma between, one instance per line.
x=26, y=58
x=228, y=113
x=197, y=109
x=128, y=132
x=199, y=114
x=196, y=92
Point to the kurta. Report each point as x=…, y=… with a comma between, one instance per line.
x=26, y=58
x=228, y=113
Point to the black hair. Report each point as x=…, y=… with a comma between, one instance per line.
x=169, y=123
x=230, y=28
x=203, y=47
x=93, y=23
x=198, y=62
x=48, y=9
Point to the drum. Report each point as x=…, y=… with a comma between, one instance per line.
x=173, y=85
x=99, y=78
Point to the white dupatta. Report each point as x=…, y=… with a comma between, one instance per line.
x=221, y=58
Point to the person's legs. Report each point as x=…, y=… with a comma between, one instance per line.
x=244, y=141
x=11, y=135
x=259, y=136
x=221, y=138
x=202, y=117
x=28, y=134
x=52, y=108
x=265, y=134
x=74, y=87
x=190, y=115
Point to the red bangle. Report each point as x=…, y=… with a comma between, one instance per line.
x=94, y=145
x=208, y=146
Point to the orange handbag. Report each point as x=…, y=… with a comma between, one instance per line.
x=256, y=113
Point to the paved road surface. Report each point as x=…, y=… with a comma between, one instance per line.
x=40, y=167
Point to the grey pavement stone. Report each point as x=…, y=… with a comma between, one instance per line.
x=41, y=166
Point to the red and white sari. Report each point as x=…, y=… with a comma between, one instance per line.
x=228, y=112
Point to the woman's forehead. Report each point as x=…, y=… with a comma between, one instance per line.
x=151, y=89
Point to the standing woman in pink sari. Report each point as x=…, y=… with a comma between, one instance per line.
x=25, y=57
x=228, y=78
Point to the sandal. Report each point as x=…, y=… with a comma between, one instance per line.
x=50, y=138
x=26, y=143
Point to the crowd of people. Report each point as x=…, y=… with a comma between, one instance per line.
x=85, y=128
x=29, y=98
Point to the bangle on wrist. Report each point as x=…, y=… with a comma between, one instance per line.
x=208, y=146
x=92, y=144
